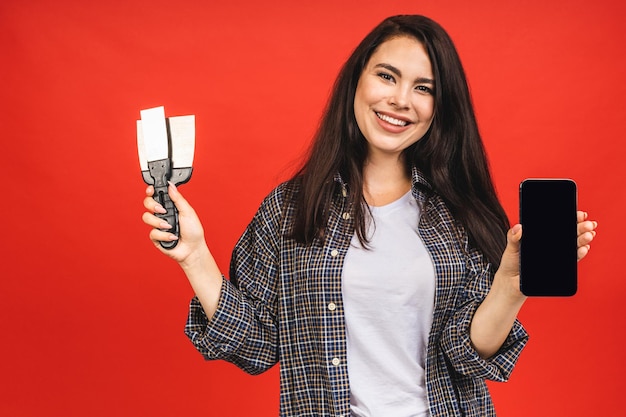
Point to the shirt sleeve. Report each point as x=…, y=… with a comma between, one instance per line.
x=244, y=329
x=455, y=341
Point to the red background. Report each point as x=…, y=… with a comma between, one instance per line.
x=91, y=315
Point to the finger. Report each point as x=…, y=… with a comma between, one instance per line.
x=586, y=226
x=581, y=216
x=583, y=251
x=181, y=203
x=155, y=221
x=150, y=191
x=514, y=236
x=153, y=206
x=585, y=239
x=157, y=236
x=509, y=264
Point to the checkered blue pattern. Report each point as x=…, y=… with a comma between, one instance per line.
x=283, y=304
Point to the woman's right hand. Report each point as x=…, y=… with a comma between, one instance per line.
x=191, y=240
x=191, y=252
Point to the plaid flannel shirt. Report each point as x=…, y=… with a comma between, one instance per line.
x=283, y=303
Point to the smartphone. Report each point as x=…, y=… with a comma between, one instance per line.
x=548, y=249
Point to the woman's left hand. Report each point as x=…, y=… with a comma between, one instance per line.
x=509, y=266
x=495, y=316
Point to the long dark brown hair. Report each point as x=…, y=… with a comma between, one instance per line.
x=451, y=154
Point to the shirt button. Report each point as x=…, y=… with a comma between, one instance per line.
x=334, y=253
x=332, y=306
x=336, y=361
x=346, y=216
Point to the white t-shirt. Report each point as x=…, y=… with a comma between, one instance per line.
x=388, y=295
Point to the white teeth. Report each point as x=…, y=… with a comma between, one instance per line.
x=391, y=120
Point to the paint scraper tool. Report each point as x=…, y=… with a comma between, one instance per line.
x=165, y=147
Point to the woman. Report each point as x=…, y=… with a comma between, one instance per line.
x=382, y=276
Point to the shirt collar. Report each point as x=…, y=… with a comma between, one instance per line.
x=419, y=180
x=338, y=180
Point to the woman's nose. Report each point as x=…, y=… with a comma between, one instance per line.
x=400, y=97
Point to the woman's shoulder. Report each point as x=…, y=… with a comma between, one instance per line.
x=281, y=198
x=284, y=192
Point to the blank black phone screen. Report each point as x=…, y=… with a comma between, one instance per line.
x=548, y=251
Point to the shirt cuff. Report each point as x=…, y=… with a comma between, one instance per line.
x=224, y=333
x=457, y=346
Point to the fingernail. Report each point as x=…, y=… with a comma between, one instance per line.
x=165, y=225
x=173, y=237
x=159, y=209
x=515, y=230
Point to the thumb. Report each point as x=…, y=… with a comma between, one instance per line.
x=181, y=204
x=510, y=257
x=185, y=210
x=513, y=238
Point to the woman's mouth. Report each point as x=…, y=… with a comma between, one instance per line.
x=392, y=120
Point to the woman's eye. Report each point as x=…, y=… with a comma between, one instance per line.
x=424, y=89
x=385, y=76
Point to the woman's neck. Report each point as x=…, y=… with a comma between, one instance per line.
x=384, y=181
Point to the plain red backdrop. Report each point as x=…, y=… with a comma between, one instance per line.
x=91, y=315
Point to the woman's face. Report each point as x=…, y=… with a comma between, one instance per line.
x=394, y=100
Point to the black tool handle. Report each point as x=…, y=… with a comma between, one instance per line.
x=160, y=172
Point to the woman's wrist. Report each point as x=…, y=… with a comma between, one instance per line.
x=506, y=291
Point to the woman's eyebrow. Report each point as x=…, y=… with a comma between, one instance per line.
x=396, y=71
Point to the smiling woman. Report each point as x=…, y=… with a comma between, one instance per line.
x=393, y=107
x=393, y=104
x=393, y=210
x=91, y=312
